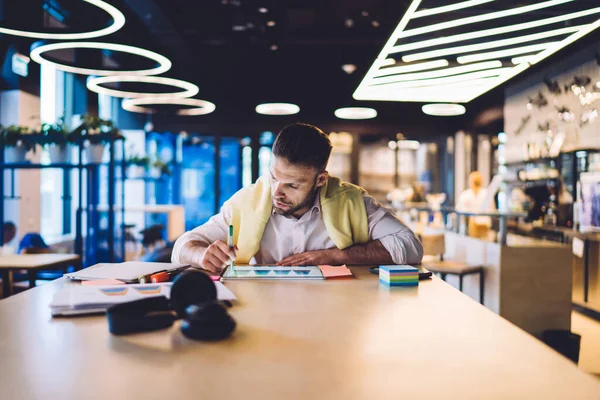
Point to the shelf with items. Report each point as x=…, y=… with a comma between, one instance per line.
x=80, y=141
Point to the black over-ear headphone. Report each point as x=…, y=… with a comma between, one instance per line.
x=193, y=299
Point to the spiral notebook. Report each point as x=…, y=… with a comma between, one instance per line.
x=273, y=272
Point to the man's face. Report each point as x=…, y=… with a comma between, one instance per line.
x=293, y=187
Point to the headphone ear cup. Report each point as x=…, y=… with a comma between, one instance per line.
x=208, y=321
x=191, y=287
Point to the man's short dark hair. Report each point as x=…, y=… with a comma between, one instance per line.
x=303, y=144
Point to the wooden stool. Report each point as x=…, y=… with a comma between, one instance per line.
x=434, y=245
x=460, y=269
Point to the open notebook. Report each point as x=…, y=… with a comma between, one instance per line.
x=78, y=299
x=129, y=271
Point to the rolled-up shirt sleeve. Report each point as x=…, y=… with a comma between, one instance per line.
x=401, y=242
x=216, y=228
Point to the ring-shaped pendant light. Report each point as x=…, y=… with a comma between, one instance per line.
x=189, y=89
x=201, y=107
x=164, y=62
x=116, y=15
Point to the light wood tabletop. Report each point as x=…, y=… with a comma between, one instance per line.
x=32, y=263
x=338, y=339
x=27, y=261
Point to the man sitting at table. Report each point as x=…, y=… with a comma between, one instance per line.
x=299, y=215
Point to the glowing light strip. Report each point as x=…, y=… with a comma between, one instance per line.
x=455, y=78
x=420, y=95
x=492, y=32
x=504, y=53
x=448, y=8
x=116, y=15
x=481, y=18
x=438, y=74
x=548, y=52
x=201, y=107
x=521, y=60
x=93, y=84
x=490, y=45
x=385, y=63
x=414, y=67
x=164, y=62
x=366, y=91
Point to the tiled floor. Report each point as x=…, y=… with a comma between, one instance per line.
x=589, y=354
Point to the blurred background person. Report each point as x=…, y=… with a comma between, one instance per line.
x=472, y=200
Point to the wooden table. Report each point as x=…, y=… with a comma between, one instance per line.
x=339, y=339
x=33, y=263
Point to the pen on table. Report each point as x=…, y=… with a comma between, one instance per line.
x=230, y=243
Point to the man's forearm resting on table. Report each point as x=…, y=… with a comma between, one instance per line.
x=372, y=252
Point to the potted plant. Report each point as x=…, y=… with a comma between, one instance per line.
x=160, y=168
x=97, y=132
x=137, y=166
x=18, y=140
x=58, y=141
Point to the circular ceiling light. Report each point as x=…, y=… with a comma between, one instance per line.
x=201, y=107
x=116, y=15
x=164, y=62
x=355, y=113
x=277, y=109
x=443, y=109
x=189, y=89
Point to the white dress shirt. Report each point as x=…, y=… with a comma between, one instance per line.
x=286, y=235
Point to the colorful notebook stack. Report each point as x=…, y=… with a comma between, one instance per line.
x=398, y=275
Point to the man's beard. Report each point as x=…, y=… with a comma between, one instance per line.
x=308, y=201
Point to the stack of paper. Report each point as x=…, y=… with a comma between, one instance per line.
x=78, y=299
x=398, y=275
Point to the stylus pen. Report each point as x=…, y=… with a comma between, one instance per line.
x=230, y=243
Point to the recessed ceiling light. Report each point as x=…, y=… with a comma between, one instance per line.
x=355, y=113
x=117, y=23
x=277, y=109
x=263, y=10
x=349, y=68
x=519, y=45
x=443, y=109
x=164, y=62
x=271, y=23
x=365, y=13
x=375, y=24
x=201, y=107
x=93, y=84
x=274, y=47
x=349, y=22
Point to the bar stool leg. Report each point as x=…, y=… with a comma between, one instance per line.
x=443, y=275
x=460, y=281
x=481, y=286
x=32, y=275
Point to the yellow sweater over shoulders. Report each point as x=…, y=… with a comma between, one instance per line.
x=342, y=209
